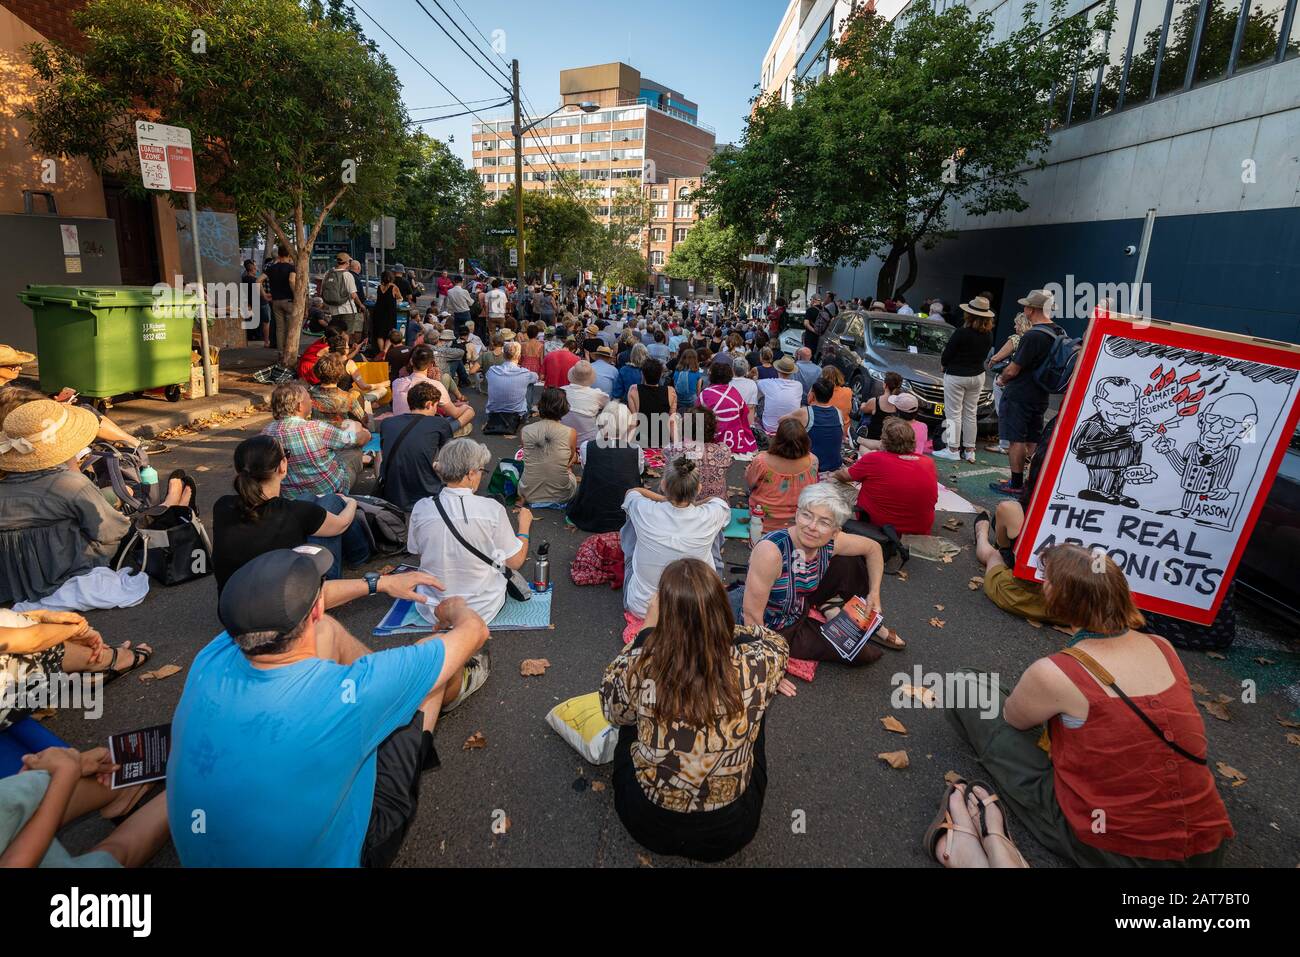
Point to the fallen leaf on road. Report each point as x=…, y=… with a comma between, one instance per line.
x=893, y=724
x=952, y=777
x=923, y=695
x=938, y=607
x=953, y=524
x=644, y=860
x=1217, y=709
x=1034, y=624
x=902, y=576
x=895, y=759
x=166, y=671
x=203, y=468
x=1293, y=737
x=937, y=622
x=976, y=582
x=598, y=786
x=1266, y=661
x=44, y=714
x=1200, y=688
x=1216, y=656
x=947, y=559
x=531, y=667
x=1231, y=773
x=1287, y=722
x=474, y=742
x=1224, y=699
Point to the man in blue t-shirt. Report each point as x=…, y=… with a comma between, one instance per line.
x=293, y=744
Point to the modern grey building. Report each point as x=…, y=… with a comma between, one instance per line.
x=1195, y=114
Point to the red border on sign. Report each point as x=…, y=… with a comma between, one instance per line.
x=1183, y=337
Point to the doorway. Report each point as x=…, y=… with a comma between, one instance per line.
x=137, y=240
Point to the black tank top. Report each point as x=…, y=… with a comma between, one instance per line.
x=653, y=404
x=609, y=473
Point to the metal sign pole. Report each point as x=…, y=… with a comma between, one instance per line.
x=203, y=299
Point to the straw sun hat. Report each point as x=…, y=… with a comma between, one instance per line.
x=44, y=433
x=9, y=356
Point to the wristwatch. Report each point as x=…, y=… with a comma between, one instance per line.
x=372, y=579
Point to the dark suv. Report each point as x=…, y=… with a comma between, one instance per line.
x=1267, y=570
x=866, y=345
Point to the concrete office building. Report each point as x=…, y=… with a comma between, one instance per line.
x=1195, y=114
x=642, y=133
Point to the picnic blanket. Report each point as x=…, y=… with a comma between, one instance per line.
x=739, y=527
x=534, y=615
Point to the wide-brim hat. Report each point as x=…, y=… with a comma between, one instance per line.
x=979, y=306
x=604, y=351
x=9, y=356
x=1037, y=299
x=785, y=365
x=43, y=433
x=507, y=335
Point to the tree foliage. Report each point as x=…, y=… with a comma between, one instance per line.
x=438, y=204
x=713, y=252
x=554, y=224
x=294, y=115
x=924, y=113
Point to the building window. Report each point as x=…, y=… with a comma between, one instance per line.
x=684, y=192
x=679, y=233
x=656, y=257
x=815, y=61
x=682, y=211
x=1260, y=32
x=1146, y=44
x=660, y=211
x=658, y=234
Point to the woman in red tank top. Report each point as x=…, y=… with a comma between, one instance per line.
x=1129, y=780
x=533, y=350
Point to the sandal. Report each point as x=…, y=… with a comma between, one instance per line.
x=887, y=639
x=943, y=822
x=139, y=657
x=984, y=826
x=145, y=793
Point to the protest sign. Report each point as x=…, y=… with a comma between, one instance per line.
x=1163, y=453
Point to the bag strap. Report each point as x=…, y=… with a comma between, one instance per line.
x=113, y=466
x=392, y=453
x=437, y=500
x=1106, y=678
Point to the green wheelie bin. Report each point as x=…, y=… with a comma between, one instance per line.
x=106, y=341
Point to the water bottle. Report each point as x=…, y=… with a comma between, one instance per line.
x=542, y=568
x=756, y=525
x=149, y=479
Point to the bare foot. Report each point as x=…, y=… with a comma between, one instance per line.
x=997, y=846
x=966, y=849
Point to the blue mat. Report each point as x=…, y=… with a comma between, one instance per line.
x=532, y=615
x=737, y=528
x=27, y=736
x=373, y=444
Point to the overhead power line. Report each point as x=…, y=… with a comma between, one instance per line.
x=468, y=55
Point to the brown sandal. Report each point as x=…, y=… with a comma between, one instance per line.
x=892, y=642
x=943, y=822
x=983, y=823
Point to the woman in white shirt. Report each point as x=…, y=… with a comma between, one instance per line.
x=663, y=528
x=481, y=521
x=585, y=401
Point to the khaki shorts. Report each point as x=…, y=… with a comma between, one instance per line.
x=1019, y=596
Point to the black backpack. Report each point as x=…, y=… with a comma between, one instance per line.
x=170, y=543
x=384, y=524
x=118, y=470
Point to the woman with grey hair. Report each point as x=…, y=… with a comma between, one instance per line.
x=481, y=521
x=745, y=385
x=629, y=374
x=611, y=464
x=806, y=568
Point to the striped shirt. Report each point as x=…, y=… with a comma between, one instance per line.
x=799, y=578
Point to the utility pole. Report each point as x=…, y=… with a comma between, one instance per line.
x=519, y=172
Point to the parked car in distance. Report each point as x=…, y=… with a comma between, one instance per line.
x=865, y=346
x=1266, y=572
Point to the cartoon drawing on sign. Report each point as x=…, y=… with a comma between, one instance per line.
x=1207, y=465
x=1109, y=443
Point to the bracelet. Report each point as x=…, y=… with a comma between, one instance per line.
x=523, y=535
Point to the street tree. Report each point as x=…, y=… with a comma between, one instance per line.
x=611, y=247
x=295, y=116
x=924, y=114
x=712, y=252
x=438, y=204
x=553, y=225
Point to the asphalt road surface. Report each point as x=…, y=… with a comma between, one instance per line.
x=830, y=800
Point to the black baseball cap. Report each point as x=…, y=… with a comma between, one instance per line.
x=275, y=591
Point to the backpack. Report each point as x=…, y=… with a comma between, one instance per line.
x=110, y=467
x=1054, y=372
x=170, y=543
x=504, y=484
x=334, y=288
x=384, y=524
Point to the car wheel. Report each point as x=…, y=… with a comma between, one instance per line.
x=858, y=385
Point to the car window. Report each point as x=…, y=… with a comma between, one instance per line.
x=901, y=335
x=852, y=327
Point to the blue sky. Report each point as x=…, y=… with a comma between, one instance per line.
x=709, y=50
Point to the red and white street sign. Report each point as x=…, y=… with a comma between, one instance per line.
x=166, y=157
